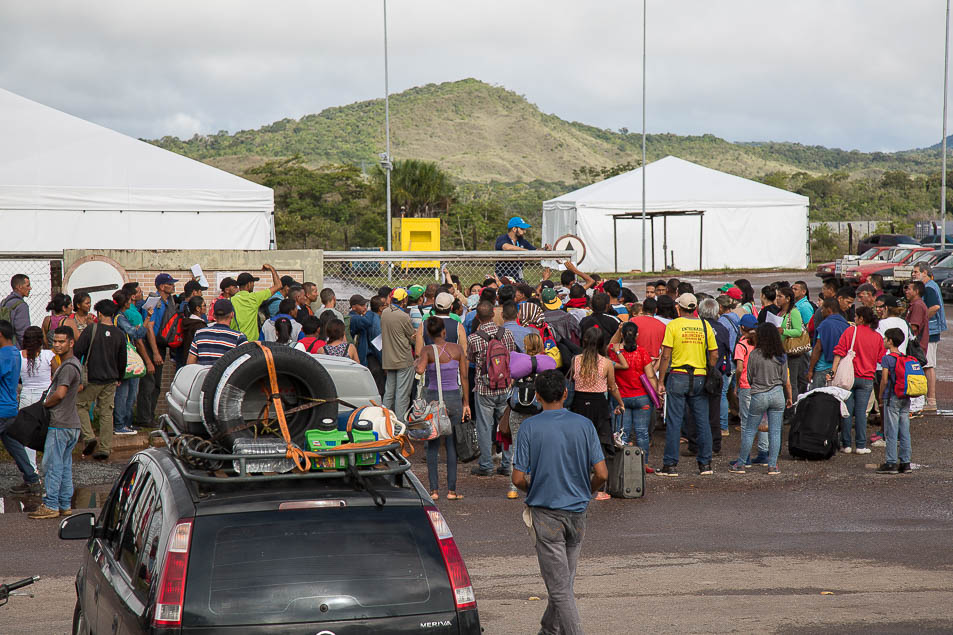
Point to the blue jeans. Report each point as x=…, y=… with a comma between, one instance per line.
x=635, y=419
x=897, y=424
x=455, y=411
x=125, y=402
x=857, y=406
x=772, y=403
x=744, y=404
x=682, y=389
x=18, y=452
x=489, y=410
x=723, y=413
x=58, y=466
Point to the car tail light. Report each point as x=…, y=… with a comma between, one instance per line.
x=171, y=595
x=456, y=569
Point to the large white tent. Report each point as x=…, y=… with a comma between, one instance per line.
x=731, y=222
x=68, y=183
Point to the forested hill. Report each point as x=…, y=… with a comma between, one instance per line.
x=482, y=133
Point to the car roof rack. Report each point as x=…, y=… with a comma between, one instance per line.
x=185, y=449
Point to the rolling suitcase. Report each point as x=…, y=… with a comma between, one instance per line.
x=815, y=428
x=627, y=473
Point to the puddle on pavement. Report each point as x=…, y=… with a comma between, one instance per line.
x=83, y=498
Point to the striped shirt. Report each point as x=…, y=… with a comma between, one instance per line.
x=210, y=343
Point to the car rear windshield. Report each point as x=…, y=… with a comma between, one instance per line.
x=315, y=565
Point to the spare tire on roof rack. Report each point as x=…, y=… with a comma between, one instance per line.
x=236, y=392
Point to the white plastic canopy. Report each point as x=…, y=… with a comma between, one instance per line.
x=68, y=183
x=743, y=223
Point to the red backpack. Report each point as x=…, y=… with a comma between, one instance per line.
x=171, y=330
x=497, y=360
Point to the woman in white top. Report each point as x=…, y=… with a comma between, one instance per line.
x=36, y=372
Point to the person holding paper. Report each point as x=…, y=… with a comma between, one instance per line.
x=247, y=301
x=769, y=296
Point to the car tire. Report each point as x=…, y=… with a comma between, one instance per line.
x=235, y=393
x=80, y=625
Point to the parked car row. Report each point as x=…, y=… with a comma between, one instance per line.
x=894, y=264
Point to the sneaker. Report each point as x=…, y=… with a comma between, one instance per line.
x=667, y=470
x=649, y=470
x=28, y=488
x=876, y=437
x=704, y=469
x=761, y=459
x=879, y=443
x=862, y=451
x=888, y=468
x=504, y=471
x=734, y=468
x=512, y=493
x=725, y=433
x=66, y=512
x=100, y=455
x=846, y=450
x=123, y=431
x=90, y=447
x=903, y=468
x=44, y=512
x=477, y=471
x=602, y=496
x=774, y=470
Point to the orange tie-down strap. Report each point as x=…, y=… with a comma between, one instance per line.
x=302, y=458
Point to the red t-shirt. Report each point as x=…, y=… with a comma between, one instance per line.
x=628, y=380
x=651, y=334
x=868, y=349
x=918, y=315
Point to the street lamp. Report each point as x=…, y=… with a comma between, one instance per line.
x=643, y=134
x=385, y=156
x=946, y=67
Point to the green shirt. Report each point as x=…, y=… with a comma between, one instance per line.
x=246, y=311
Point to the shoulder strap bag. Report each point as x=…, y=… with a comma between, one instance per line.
x=444, y=427
x=844, y=377
x=799, y=345
x=712, y=374
x=84, y=373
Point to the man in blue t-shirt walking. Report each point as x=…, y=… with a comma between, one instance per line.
x=559, y=464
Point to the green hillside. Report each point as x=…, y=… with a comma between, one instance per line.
x=483, y=133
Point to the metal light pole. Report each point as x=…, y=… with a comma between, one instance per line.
x=946, y=67
x=643, y=133
x=385, y=158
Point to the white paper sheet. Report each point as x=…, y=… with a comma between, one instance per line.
x=151, y=302
x=772, y=318
x=197, y=272
x=378, y=342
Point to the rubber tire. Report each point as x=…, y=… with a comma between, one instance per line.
x=299, y=375
x=80, y=626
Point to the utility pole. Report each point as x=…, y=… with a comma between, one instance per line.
x=643, y=133
x=946, y=67
x=386, y=163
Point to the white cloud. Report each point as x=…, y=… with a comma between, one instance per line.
x=860, y=74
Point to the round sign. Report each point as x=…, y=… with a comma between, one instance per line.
x=97, y=278
x=573, y=243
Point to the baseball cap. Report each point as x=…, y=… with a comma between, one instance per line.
x=245, y=277
x=227, y=282
x=518, y=221
x=164, y=278
x=193, y=285
x=415, y=291
x=734, y=293
x=724, y=288
x=687, y=301
x=550, y=299
x=749, y=321
x=443, y=301
x=399, y=294
x=223, y=307
x=357, y=300
x=288, y=281
x=890, y=301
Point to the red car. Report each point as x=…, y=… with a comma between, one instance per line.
x=857, y=275
x=874, y=253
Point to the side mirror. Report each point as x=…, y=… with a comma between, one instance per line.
x=78, y=527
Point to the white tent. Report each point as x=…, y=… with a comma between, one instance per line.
x=732, y=222
x=69, y=183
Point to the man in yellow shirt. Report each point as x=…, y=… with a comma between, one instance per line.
x=682, y=369
x=247, y=301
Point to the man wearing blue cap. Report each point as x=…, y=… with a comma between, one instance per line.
x=514, y=240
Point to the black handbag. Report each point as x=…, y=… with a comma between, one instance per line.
x=465, y=440
x=31, y=425
x=915, y=351
x=712, y=374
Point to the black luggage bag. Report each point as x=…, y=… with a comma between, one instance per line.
x=815, y=428
x=627, y=473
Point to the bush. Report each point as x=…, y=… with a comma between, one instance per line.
x=827, y=245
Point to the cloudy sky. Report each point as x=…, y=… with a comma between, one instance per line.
x=864, y=74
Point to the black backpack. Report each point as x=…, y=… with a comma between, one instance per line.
x=815, y=427
x=524, y=393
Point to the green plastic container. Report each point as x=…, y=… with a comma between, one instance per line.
x=318, y=440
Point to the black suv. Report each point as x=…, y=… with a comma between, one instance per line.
x=178, y=549
x=884, y=240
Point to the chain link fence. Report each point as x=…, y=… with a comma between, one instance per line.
x=350, y=272
x=46, y=278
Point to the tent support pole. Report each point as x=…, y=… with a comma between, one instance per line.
x=665, y=242
x=615, y=242
x=701, y=242
x=653, y=243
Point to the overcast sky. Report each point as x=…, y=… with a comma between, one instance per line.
x=864, y=74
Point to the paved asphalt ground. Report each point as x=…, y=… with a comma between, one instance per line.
x=824, y=547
